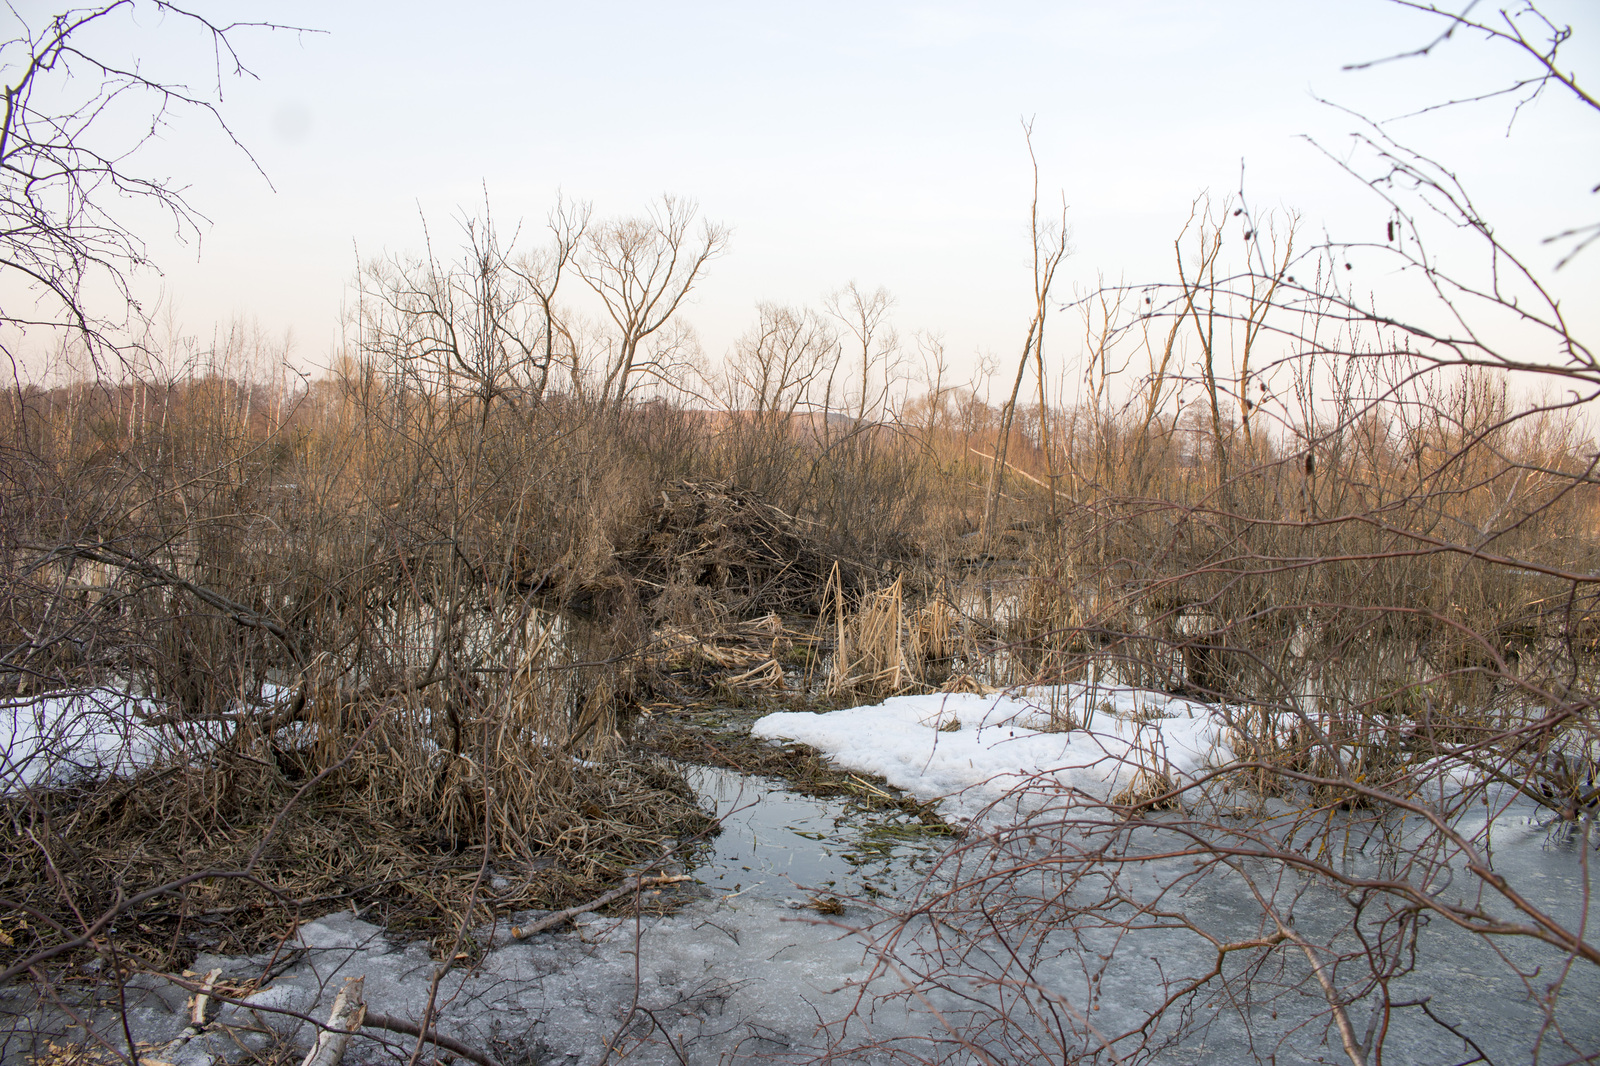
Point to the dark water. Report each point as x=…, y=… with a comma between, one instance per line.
x=777, y=843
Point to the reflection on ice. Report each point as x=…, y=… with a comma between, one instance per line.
x=776, y=842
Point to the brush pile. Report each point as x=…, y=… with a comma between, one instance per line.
x=687, y=662
x=710, y=546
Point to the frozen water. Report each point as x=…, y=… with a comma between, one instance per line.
x=734, y=980
x=741, y=973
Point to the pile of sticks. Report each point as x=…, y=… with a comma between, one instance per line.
x=743, y=553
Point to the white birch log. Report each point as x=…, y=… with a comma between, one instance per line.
x=197, y=1021
x=345, y=1018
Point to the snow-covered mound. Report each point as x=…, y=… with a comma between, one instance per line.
x=970, y=751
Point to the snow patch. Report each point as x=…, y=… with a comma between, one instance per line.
x=87, y=733
x=970, y=751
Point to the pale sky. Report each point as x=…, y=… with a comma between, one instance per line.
x=871, y=141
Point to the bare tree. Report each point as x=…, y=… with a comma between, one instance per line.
x=66, y=173
x=542, y=272
x=485, y=324
x=776, y=364
x=642, y=268
x=866, y=316
x=1050, y=247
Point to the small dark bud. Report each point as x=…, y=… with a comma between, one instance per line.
x=1238, y=211
x=1391, y=229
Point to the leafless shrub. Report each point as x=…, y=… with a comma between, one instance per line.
x=1366, y=541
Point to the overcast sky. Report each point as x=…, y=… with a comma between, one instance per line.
x=871, y=141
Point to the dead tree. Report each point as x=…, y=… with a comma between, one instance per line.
x=643, y=268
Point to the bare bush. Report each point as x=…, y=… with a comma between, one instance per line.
x=1364, y=538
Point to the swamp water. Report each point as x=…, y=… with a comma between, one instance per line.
x=778, y=844
x=745, y=972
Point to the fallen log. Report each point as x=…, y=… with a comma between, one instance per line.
x=343, y=1021
x=197, y=1020
x=550, y=921
x=374, y=1020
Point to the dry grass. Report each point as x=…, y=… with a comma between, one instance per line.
x=869, y=651
x=502, y=588
x=559, y=834
x=882, y=646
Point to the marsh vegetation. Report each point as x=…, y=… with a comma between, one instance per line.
x=429, y=636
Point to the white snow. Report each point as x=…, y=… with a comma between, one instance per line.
x=71, y=735
x=77, y=735
x=991, y=747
